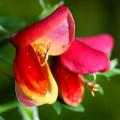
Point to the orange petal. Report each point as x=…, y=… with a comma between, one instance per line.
x=35, y=84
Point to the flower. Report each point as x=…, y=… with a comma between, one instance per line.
x=35, y=84
x=86, y=55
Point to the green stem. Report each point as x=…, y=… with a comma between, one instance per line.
x=42, y=4
x=29, y=113
x=36, y=115
x=8, y=106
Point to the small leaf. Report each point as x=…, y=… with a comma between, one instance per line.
x=57, y=107
x=49, y=10
x=8, y=106
x=3, y=31
x=12, y=25
x=78, y=108
x=110, y=73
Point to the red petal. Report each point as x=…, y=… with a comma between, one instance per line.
x=71, y=88
x=103, y=42
x=82, y=59
x=35, y=84
x=57, y=29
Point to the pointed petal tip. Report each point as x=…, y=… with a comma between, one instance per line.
x=102, y=42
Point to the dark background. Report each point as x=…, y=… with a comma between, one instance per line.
x=91, y=17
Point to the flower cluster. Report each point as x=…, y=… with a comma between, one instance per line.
x=37, y=83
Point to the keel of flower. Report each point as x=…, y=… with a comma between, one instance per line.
x=71, y=87
x=35, y=84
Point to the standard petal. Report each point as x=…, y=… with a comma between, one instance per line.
x=103, y=42
x=34, y=82
x=71, y=88
x=57, y=30
x=82, y=59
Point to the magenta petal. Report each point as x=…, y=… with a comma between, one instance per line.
x=56, y=30
x=103, y=42
x=80, y=58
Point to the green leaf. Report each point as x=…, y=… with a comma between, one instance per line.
x=78, y=108
x=3, y=58
x=112, y=71
x=12, y=25
x=8, y=106
x=57, y=107
x=49, y=10
x=3, y=31
x=8, y=27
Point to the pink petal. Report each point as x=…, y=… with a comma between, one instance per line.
x=103, y=42
x=23, y=98
x=57, y=29
x=82, y=59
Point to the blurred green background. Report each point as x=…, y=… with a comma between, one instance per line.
x=91, y=17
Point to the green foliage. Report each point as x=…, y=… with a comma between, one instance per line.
x=58, y=106
x=8, y=106
x=3, y=31
x=1, y=118
x=112, y=71
x=11, y=25
x=78, y=108
x=49, y=9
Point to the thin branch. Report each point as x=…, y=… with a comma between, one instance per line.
x=42, y=4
